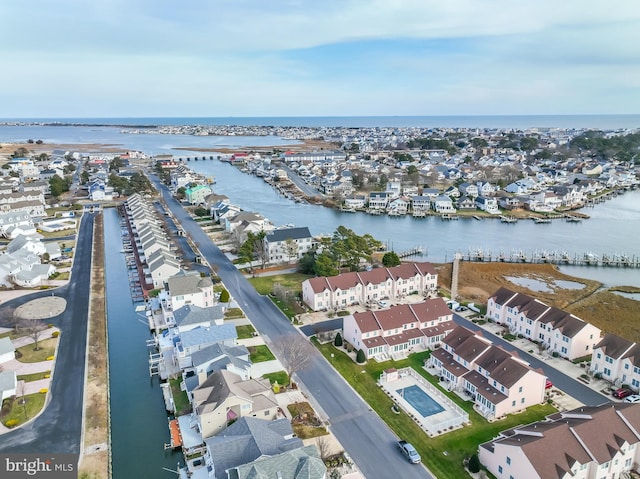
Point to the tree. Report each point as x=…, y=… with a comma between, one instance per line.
x=474, y=464
x=324, y=446
x=84, y=177
x=360, y=357
x=224, y=296
x=33, y=328
x=294, y=353
x=201, y=212
x=116, y=164
x=291, y=248
x=325, y=265
x=181, y=193
x=337, y=342
x=59, y=185
x=390, y=259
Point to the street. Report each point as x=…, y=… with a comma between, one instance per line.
x=366, y=438
x=58, y=429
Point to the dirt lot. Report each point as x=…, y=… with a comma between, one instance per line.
x=603, y=308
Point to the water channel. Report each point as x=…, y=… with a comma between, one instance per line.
x=139, y=427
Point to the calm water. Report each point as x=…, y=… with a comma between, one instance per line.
x=452, y=121
x=139, y=427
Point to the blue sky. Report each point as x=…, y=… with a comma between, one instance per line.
x=138, y=58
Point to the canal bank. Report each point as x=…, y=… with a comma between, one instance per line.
x=139, y=427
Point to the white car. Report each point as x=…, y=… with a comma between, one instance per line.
x=634, y=398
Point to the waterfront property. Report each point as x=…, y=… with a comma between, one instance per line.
x=586, y=443
x=433, y=411
x=497, y=382
x=367, y=287
x=399, y=330
x=556, y=330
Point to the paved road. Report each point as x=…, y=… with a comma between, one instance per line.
x=58, y=428
x=367, y=439
x=303, y=186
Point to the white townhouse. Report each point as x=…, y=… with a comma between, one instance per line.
x=589, y=442
x=443, y=204
x=497, y=382
x=488, y=204
x=558, y=331
x=397, y=331
x=366, y=287
x=617, y=360
x=287, y=244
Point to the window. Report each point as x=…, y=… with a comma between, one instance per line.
x=508, y=460
x=520, y=389
x=500, y=469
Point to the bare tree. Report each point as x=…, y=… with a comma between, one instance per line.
x=324, y=446
x=22, y=389
x=291, y=249
x=34, y=328
x=294, y=352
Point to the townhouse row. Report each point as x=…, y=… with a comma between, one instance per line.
x=367, y=287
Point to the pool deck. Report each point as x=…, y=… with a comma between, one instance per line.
x=451, y=418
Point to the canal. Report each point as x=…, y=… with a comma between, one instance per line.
x=139, y=427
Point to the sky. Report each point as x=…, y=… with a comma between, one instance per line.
x=219, y=58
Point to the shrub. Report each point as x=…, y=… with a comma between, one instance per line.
x=474, y=464
x=43, y=391
x=47, y=376
x=55, y=334
x=360, y=357
x=50, y=358
x=11, y=423
x=337, y=342
x=555, y=354
x=224, y=296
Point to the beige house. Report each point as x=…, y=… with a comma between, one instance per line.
x=498, y=382
x=556, y=330
x=367, y=287
x=598, y=442
x=399, y=330
x=225, y=396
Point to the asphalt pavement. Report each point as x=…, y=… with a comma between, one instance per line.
x=58, y=429
x=366, y=438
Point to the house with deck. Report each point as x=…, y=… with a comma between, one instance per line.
x=399, y=330
x=284, y=245
x=556, y=330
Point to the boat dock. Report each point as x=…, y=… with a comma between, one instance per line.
x=554, y=257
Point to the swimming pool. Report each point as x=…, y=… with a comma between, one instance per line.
x=420, y=400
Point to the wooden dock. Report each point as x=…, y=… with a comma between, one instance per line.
x=615, y=260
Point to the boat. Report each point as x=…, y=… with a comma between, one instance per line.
x=542, y=220
x=476, y=217
x=508, y=219
x=573, y=219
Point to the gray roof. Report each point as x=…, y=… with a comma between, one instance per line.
x=6, y=346
x=209, y=335
x=192, y=314
x=8, y=380
x=187, y=283
x=288, y=233
x=302, y=463
x=219, y=351
x=248, y=439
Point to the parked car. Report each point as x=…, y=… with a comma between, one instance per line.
x=622, y=393
x=460, y=309
x=548, y=384
x=409, y=452
x=383, y=304
x=634, y=398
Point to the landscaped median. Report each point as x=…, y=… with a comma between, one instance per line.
x=443, y=455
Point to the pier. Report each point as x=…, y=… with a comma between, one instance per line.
x=554, y=257
x=411, y=252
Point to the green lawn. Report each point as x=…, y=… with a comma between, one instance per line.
x=180, y=399
x=46, y=349
x=233, y=313
x=15, y=410
x=245, y=331
x=457, y=444
x=293, y=281
x=281, y=377
x=34, y=377
x=259, y=354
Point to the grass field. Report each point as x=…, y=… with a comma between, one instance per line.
x=46, y=349
x=292, y=281
x=259, y=354
x=245, y=331
x=281, y=377
x=21, y=413
x=34, y=377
